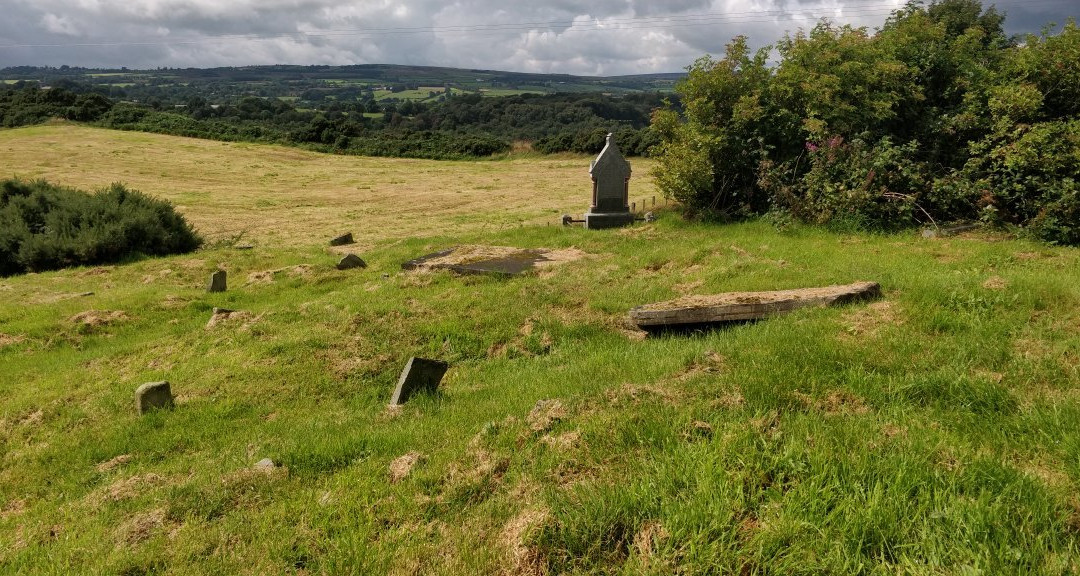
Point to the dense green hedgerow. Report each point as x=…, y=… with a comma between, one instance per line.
x=938, y=116
x=46, y=227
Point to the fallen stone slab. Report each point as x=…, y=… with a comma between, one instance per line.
x=419, y=375
x=743, y=306
x=153, y=396
x=492, y=260
x=351, y=261
x=343, y=240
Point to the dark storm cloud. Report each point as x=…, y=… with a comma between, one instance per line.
x=571, y=36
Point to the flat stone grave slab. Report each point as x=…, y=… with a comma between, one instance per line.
x=744, y=306
x=493, y=260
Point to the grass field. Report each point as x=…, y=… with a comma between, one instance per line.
x=931, y=432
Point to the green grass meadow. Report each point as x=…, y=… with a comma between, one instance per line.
x=934, y=431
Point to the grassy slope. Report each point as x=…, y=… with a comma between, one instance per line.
x=932, y=432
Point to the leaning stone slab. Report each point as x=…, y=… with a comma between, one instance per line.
x=351, y=261
x=343, y=240
x=742, y=306
x=217, y=282
x=419, y=375
x=153, y=395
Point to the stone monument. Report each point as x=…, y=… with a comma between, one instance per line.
x=611, y=189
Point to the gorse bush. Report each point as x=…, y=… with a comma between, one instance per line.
x=46, y=227
x=936, y=117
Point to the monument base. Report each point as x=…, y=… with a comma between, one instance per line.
x=611, y=220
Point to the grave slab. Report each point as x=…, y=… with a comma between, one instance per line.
x=744, y=306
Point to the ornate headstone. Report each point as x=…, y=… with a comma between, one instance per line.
x=611, y=189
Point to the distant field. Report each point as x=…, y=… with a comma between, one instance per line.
x=278, y=194
x=933, y=431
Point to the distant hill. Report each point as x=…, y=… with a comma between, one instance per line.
x=295, y=82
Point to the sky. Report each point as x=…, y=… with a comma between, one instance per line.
x=596, y=37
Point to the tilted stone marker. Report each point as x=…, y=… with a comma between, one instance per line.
x=611, y=189
x=351, y=261
x=742, y=306
x=153, y=395
x=217, y=282
x=343, y=240
x=419, y=375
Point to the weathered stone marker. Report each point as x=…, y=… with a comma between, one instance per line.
x=743, y=306
x=351, y=261
x=217, y=282
x=343, y=240
x=153, y=395
x=419, y=375
x=611, y=189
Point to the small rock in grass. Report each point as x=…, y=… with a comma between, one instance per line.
x=153, y=395
x=351, y=261
x=265, y=465
x=343, y=240
x=401, y=467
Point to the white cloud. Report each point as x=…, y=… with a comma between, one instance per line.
x=603, y=37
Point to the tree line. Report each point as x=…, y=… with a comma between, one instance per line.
x=459, y=126
x=937, y=117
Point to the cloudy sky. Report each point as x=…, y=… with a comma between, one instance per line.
x=596, y=37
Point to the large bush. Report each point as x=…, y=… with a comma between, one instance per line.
x=46, y=227
x=936, y=117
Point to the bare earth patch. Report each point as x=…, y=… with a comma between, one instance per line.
x=222, y=316
x=13, y=508
x=523, y=559
x=565, y=441
x=835, y=403
x=648, y=540
x=141, y=526
x=545, y=414
x=267, y=276
x=8, y=339
x=113, y=463
x=98, y=318
x=870, y=320
x=402, y=466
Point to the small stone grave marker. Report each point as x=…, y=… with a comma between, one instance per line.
x=343, y=240
x=351, y=261
x=217, y=282
x=611, y=189
x=153, y=395
x=419, y=375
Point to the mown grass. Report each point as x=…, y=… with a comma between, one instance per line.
x=933, y=431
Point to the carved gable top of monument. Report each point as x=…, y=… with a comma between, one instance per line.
x=610, y=163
